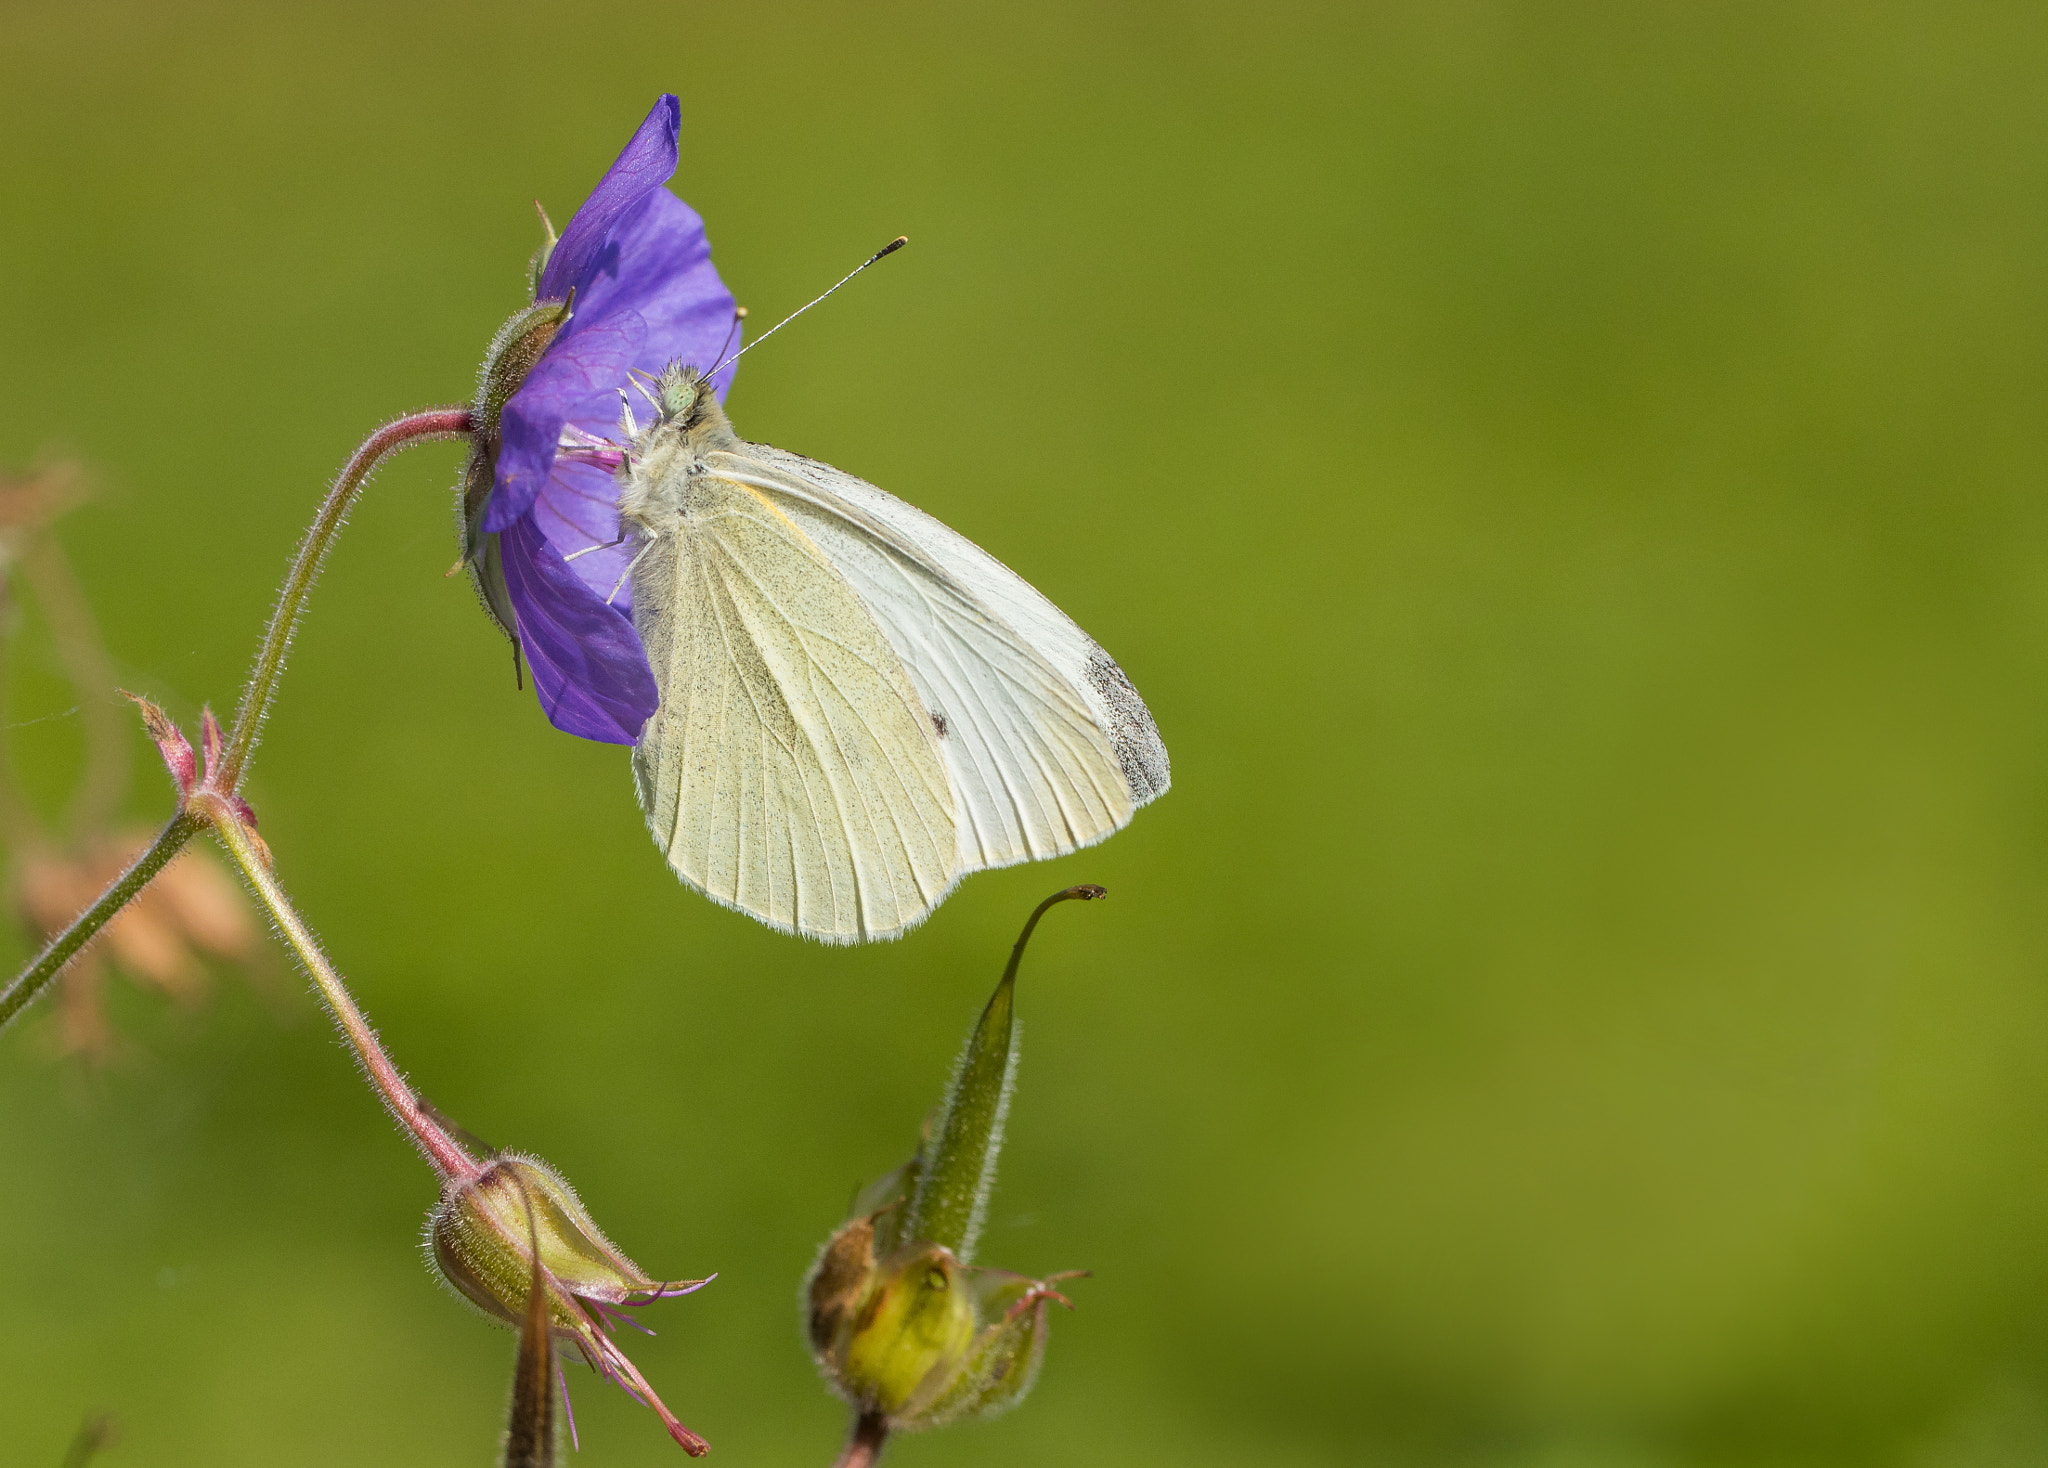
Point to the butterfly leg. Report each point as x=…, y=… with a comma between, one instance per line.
x=627, y=573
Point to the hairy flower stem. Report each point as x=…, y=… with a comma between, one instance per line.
x=428, y=427
x=865, y=1449
x=448, y=1159
x=60, y=949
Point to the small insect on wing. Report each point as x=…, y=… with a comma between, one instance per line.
x=792, y=772
x=1046, y=744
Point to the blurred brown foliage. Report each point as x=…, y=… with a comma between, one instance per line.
x=193, y=910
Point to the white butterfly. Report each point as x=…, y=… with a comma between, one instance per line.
x=858, y=706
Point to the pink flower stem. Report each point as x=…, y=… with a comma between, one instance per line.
x=427, y=427
x=870, y=1431
x=441, y=1150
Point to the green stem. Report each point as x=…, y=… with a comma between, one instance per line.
x=427, y=427
x=447, y=1157
x=59, y=950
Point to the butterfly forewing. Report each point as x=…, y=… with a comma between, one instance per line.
x=792, y=770
x=1047, y=746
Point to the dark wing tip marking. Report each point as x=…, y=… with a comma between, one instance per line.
x=1132, y=734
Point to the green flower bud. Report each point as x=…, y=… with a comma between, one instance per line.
x=901, y=1323
x=919, y=1339
x=480, y=1243
x=491, y=1248
x=909, y=1334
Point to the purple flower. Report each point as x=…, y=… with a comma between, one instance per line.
x=635, y=272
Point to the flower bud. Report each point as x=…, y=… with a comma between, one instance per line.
x=901, y=1323
x=919, y=1339
x=487, y=1244
x=480, y=1242
x=909, y=1332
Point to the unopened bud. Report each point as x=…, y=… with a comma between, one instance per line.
x=909, y=1334
x=901, y=1323
x=480, y=1242
x=485, y=1246
x=919, y=1339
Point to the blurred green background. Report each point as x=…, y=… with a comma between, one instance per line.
x=1567, y=479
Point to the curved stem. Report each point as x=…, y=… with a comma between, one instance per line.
x=62, y=948
x=869, y=1433
x=441, y=1150
x=435, y=423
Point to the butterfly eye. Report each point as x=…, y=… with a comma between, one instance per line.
x=681, y=392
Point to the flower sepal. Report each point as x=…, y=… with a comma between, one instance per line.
x=511, y=355
x=513, y=351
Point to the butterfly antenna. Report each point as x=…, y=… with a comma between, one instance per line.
x=739, y=314
x=889, y=249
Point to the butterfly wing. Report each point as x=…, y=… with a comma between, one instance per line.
x=1047, y=745
x=791, y=771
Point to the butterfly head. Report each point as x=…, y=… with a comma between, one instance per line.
x=681, y=389
x=689, y=410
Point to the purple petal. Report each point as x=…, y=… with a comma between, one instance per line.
x=651, y=297
x=588, y=665
x=648, y=162
x=637, y=265
x=658, y=264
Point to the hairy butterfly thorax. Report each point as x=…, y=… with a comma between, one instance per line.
x=667, y=453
